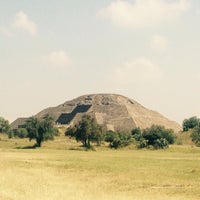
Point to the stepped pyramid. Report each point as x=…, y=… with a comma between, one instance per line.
x=112, y=111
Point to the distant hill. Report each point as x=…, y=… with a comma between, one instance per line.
x=112, y=111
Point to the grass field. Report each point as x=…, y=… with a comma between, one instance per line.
x=56, y=172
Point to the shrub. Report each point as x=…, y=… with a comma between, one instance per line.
x=161, y=143
x=142, y=143
x=156, y=136
x=137, y=134
x=169, y=135
x=136, y=131
x=21, y=133
x=118, y=139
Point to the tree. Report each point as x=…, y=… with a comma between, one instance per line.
x=196, y=135
x=190, y=123
x=40, y=130
x=137, y=134
x=86, y=131
x=4, y=126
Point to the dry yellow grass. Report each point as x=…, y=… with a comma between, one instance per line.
x=52, y=173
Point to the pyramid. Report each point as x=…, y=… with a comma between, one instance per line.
x=111, y=111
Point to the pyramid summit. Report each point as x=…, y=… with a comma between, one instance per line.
x=112, y=111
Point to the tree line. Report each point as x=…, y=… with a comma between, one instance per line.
x=88, y=132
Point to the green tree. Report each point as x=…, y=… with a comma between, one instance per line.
x=196, y=135
x=40, y=130
x=190, y=123
x=4, y=126
x=86, y=131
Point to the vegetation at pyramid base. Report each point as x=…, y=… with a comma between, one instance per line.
x=20, y=133
x=41, y=130
x=156, y=136
x=118, y=139
x=86, y=131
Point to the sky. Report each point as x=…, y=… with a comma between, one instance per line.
x=53, y=51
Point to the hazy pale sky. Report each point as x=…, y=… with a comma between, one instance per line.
x=52, y=51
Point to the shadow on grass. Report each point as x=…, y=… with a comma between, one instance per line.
x=28, y=147
x=82, y=148
x=76, y=148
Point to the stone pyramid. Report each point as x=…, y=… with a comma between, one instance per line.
x=112, y=111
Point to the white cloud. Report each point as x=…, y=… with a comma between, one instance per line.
x=5, y=31
x=142, y=13
x=23, y=22
x=138, y=70
x=57, y=58
x=159, y=43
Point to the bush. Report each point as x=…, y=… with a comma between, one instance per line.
x=118, y=139
x=161, y=143
x=169, y=135
x=137, y=134
x=113, y=139
x=21, y=133
x=142, y=143
x=156, y=136
x=136, y=131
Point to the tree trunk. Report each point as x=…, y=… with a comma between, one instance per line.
x=39, y=142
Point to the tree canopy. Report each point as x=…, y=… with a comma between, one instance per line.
x=4, y=126
x=190, y=123
x=40, y=129
x=86, y=131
